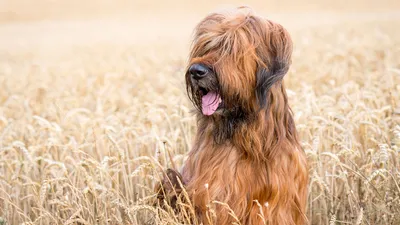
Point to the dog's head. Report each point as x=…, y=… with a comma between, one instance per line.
x=236, y=58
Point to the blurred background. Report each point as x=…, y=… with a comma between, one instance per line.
x=50, y=23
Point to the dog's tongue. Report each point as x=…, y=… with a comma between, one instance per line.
x=210, y=103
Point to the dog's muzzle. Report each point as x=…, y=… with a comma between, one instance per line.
x=198, y=71
x=203, y=78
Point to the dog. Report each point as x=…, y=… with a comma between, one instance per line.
x=246, y=164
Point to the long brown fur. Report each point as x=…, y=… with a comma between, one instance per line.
x=247, y=156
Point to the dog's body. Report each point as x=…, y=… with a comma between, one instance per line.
x=246, y=152
x=231, y=173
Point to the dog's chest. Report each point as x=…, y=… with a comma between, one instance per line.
x=215, y=168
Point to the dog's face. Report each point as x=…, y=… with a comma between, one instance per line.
x=235, y=58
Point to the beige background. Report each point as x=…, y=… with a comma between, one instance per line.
x=50, y=24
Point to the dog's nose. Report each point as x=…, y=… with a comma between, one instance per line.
x=198, y=71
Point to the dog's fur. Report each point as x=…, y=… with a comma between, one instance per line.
x=247, y=154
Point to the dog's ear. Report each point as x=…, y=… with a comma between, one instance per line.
x=275, y=55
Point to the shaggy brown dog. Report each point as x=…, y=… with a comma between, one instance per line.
x=246, y=152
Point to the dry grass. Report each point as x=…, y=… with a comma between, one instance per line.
x=85, y=132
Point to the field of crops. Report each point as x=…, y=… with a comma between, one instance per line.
x=93, y=104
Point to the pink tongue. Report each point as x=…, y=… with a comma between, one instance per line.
x=210, y=103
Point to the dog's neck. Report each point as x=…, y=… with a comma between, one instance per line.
x=222, y=130
x=225, y=125
x=255, y=134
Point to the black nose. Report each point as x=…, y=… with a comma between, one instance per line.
x=198, y=71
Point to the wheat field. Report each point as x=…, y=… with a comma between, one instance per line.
x=93, y=107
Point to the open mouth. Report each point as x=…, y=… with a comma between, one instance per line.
x=210, y=101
